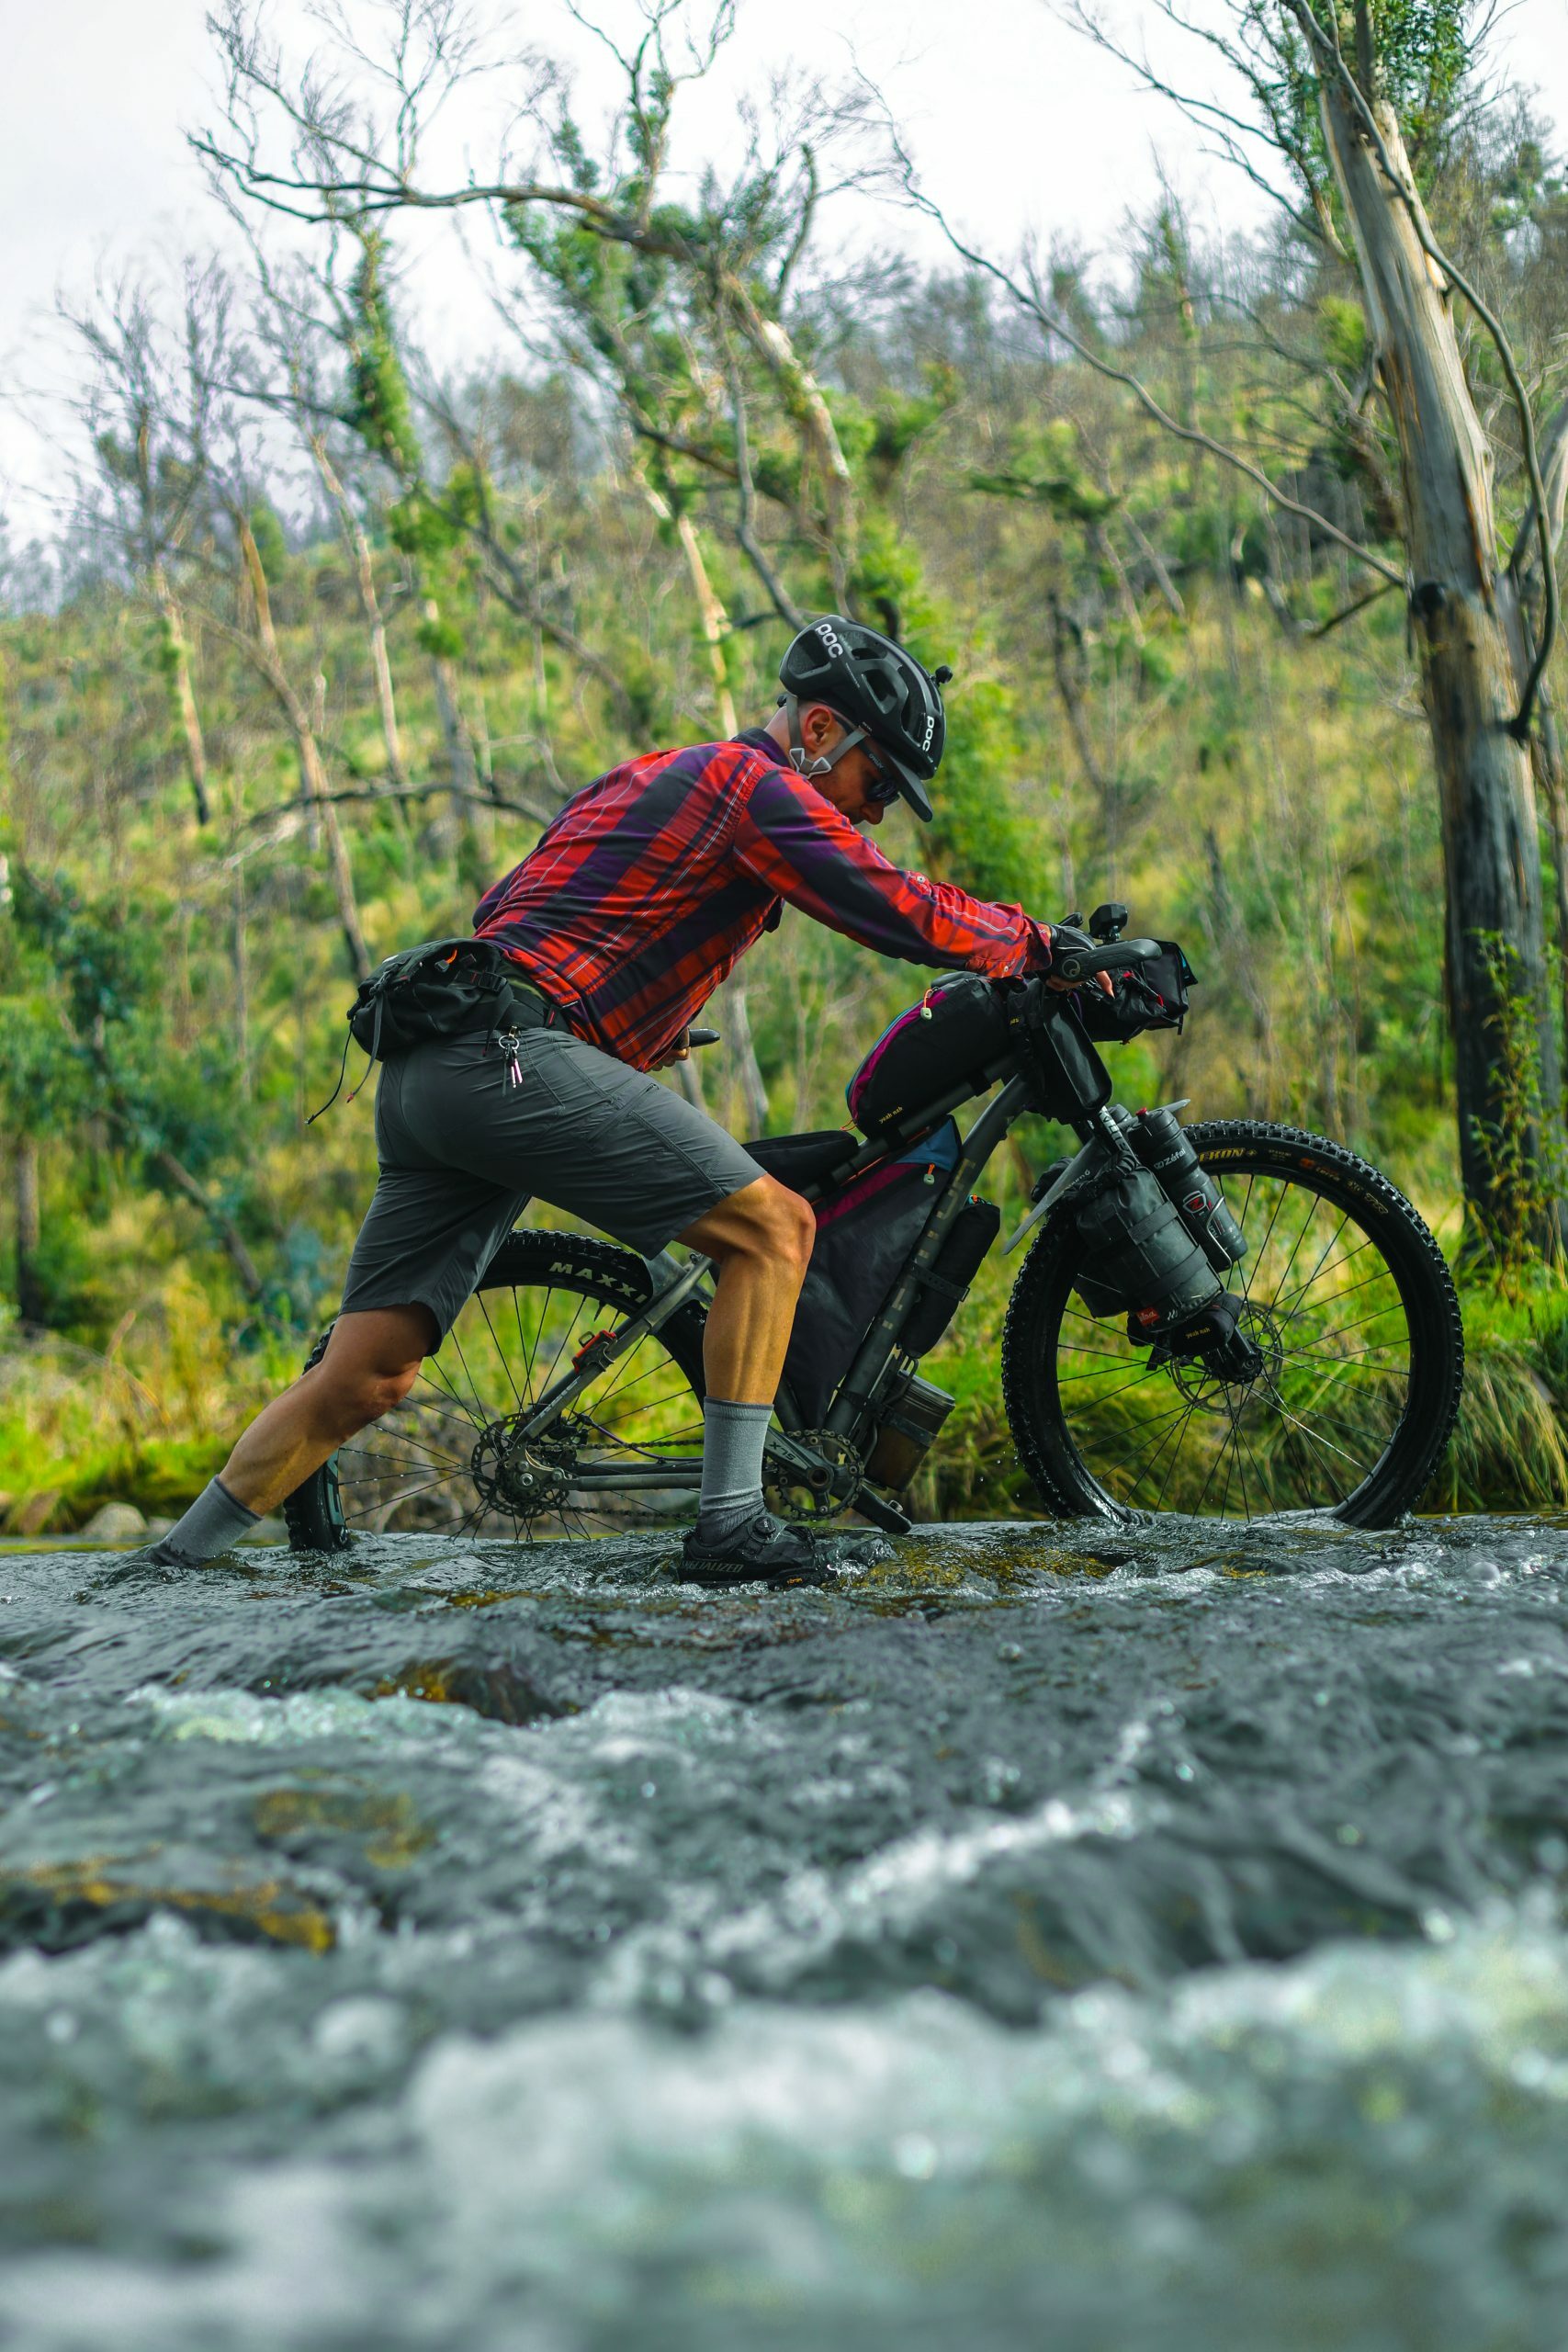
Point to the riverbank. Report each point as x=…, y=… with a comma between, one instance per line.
x=144, y=1424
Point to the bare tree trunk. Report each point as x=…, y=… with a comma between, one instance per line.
x=313, y=774
x=1546, y=743
x=1066, y=656
x=1490, y=849
x=358, y=547
x=689, y=1078
x=177, y=655
x=28, y=1232
x=241, y=985
x=753, y=1092
x=460, y=765
x=711, y=613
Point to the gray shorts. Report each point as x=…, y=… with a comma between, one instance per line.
x=462, y=1150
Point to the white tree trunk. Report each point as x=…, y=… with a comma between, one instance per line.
x=1491, y=847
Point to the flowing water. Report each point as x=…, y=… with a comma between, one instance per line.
x=1044, y=1941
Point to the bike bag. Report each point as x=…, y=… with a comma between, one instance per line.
x=937, y=1301
x=951, y=1037
x=443, y=988
x=1137, y=1255
x=865, y=1232
x=1147, y=996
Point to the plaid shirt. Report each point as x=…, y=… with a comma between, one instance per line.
x=653, y=881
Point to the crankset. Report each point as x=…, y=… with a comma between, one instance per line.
x=830, y=1483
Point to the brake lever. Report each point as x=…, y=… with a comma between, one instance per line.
x=1079, y=964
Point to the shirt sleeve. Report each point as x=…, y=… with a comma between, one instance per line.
x=796, y=843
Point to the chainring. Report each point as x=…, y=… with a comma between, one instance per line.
x=821, y=1502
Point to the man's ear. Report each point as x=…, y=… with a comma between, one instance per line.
x=816, y=724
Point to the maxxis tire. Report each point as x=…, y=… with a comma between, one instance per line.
x=1235, y=1149
x=615, y=1278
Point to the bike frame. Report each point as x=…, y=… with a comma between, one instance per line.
x=1068, y=1083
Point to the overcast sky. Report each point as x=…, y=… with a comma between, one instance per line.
x=1018, y=124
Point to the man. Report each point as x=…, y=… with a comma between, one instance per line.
x=638, y=899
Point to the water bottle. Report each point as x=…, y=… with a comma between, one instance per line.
x=1160, y=1142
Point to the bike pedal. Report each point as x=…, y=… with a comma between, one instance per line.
x=886, y=1516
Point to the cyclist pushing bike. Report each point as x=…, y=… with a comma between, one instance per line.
x=612, y=934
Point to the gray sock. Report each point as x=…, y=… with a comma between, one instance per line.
x=214, y=1522
x=733, y=1439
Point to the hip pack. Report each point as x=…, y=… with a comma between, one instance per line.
x=443, y=987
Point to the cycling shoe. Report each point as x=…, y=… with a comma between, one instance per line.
x=764, y=1551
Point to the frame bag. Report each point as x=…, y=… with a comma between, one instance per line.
x=864, y=1233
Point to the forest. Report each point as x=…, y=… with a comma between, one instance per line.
x=1242, y=550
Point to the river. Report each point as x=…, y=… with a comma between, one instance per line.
x=1047, y=1939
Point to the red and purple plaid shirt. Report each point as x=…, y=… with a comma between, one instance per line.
x=653, y=881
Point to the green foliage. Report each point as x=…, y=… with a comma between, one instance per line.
x=1044, y=467
x=381, y=407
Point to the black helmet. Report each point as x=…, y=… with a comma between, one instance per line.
x=880, y=689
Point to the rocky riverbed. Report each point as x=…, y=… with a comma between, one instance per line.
x=1046, y=1940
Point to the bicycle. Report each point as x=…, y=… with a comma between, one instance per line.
x=1323, y=1375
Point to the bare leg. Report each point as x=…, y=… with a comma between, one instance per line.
x=762, y=1239
x=372, y=1361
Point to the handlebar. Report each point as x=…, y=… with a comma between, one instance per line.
x=1082, y=962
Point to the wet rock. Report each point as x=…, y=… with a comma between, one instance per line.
x=114, y=1523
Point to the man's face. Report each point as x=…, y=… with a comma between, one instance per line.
x=850, y=784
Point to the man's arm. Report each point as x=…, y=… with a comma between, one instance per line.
x=790, y=838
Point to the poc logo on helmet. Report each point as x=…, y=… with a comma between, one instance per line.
x=930, y=730
x=831, y=639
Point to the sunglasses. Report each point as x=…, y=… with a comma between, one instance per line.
x=885, y=785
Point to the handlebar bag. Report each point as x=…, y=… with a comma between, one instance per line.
x=956, y=1031
x=866, y=1231
x=1147, y=996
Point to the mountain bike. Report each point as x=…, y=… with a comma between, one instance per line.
x=1289, y=1345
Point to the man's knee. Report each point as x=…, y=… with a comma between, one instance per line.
x=781, y=1226
x=349, y=1395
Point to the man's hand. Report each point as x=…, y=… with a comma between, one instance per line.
x=1069, y=938
x=680, y=1051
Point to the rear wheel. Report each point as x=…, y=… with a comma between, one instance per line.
x=451, y=1459
x=1351, y=1308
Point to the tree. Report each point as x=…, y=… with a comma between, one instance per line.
x=154, y=493
x=1353, y=101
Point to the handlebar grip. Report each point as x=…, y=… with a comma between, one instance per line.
x=703, y=1036
x=1079, y=964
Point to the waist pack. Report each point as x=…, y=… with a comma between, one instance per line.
x=864, y=1233
x=443, y=987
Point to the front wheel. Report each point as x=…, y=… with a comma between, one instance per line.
x=1350, y=1304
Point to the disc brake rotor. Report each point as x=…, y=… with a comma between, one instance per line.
x=523, y=1476
x=1210, y=1391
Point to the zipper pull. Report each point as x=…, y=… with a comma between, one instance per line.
x=926, y=1006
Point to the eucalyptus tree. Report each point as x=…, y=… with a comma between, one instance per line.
x=143, y=416
x=1346, y=113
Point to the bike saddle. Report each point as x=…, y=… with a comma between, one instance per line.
x=804, y=1159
